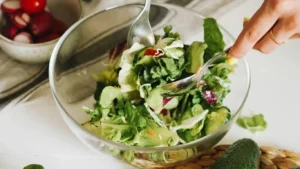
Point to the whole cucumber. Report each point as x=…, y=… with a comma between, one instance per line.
x=242, y=154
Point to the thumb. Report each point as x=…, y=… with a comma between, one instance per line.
x=245, y=23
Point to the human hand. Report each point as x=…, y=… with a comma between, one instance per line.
x=275, y=22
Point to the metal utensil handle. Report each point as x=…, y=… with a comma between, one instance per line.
x=147, y=6
x=203, y=69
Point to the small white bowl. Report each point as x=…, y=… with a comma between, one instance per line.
x=68, y=11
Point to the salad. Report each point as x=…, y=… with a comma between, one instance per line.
x=129, y=108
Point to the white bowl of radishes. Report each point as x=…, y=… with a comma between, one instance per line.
x=31, y=28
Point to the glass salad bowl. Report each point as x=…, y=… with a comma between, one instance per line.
x=83, y=51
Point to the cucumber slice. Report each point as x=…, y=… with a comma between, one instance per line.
x=215, y=120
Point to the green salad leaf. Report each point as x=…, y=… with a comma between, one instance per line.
x=254, y=124
x=174, y=50
x=129, y=108
x=108, y=95
x=213, y=38
x=127, y=76
x=95, y=114
x=195, y=56
x=169, y=33
x=193, y=133
x=221, y=87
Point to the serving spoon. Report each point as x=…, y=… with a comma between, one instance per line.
x=187, y=84
x=141, y=31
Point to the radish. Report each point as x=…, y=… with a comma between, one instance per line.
x=24, y=16
x=41, y=24
x=10, y=6
x=11, y=32
x=59, y=27
x=48, y=37
x=23, y=37
x=20, y=19
x=19, y=22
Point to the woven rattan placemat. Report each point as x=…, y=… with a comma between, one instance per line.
x=271, y=158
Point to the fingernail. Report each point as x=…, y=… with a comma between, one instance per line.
x=246, y=19
x=232, y=60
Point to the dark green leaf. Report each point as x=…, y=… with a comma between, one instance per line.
x=133, y=115
x=195, y=56
x=219, y=86
x=213, y=38
x=170, y=66
x=169, y=34
x=95, y=114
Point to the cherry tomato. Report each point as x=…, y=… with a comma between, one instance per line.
x=33, y=6
x=150, y=52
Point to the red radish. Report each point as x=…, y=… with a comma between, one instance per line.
x=166, y=100
x=33, y=6
x=24, y=16
x=11, y=32
x=10, y=6
x=20, y=19
x=19, y=22
x=59, y=27
x=11, y=17
x=48, y=37
x=23, y=37
x=41, y=24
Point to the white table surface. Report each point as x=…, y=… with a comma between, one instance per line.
x=274, y=92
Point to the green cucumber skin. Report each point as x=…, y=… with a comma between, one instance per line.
x=243, y=154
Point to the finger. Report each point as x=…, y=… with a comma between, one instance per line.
x=258, y=26
x=246, y=21
x=296, y=36
x=281, y=32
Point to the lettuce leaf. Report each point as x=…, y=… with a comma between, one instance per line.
x=170, y=34
x=254, y=124
x=219, y=86
x=195, y=56
x=190, y=122
x=175, y=50
x=108, y=95
x=127, y=77
x=173, y=67
x=95, y=114
x=193, y=133
x=222, y=70
x=213, y=38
